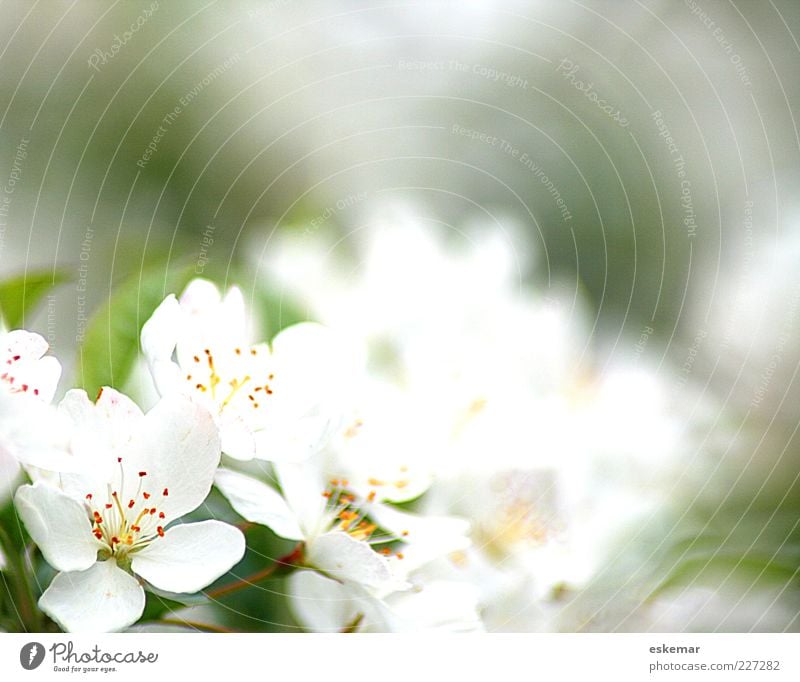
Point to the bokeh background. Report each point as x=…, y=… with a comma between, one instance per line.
x=642, y=158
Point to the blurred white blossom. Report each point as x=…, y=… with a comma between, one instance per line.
x=495, y=404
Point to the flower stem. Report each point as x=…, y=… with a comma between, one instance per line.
x=285, y=564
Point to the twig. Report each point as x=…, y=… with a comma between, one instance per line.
x=285, y=562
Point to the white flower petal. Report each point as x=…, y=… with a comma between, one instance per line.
x=111, y=407
x=160, y=332
x=320, y=604
x=35, y=433
x=101, y=599
x=346, y=559
x=381, y=424
x=209, y=319
x=190, y=556
x=258, y=503
x=27, y=345
x=167, y=377
x=439, y=605
x=315, y=368
x=234, y=314
x=159, y=337
x=100, y=428
x=179, y=449
x=308, y=348
x=39, y=376
x=427, y=537
x=302, y=341
x=293, y=438
x=59, y=525
x=200, y=295
x=238, y=439
x=23, y=366
x=448, y=531
x=174, y=448
x=302, y=485
x=77, y=406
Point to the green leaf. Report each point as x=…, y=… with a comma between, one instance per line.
x=19, y=295
x=711, y=569
x=111, y=343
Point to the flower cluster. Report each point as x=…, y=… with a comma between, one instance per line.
x=493, y=397
x=108, y=486
x=434, y=455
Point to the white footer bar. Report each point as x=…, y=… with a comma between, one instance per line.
x=401, y=657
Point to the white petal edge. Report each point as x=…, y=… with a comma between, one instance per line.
x=320, y=604
x=258, y=503
x=302, y=485
x=238, y=440
x=191, y=556
x=199, y=295
x=102, y=598
x=179, y=448
x=28, y=345
x=160, y=332
x=59, y=525
x=427, y=537
x=348, y=560
x=439, y=605
x=293, y=438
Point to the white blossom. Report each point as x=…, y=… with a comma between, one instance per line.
x=31, y=432
x=357, y=541
x=115, y=524
x=321, y=604
x=277, y=402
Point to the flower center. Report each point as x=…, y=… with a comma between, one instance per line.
x=241, y=378
x=523, y=512
x=124, y=525
x=349, y=514
x=517, y=524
